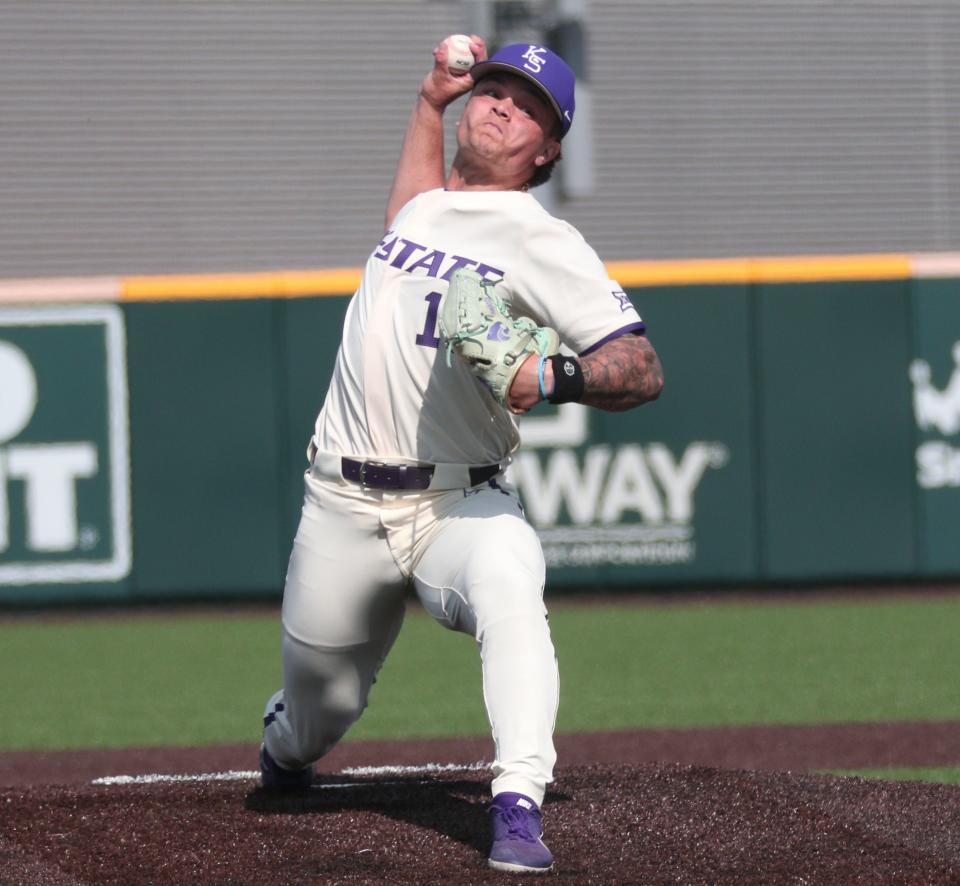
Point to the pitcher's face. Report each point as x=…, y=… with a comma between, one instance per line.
x=508, y=123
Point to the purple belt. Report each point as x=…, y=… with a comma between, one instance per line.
x=376, y=475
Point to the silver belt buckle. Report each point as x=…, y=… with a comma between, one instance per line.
x=363, y=474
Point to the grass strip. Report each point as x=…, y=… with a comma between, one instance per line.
x=202, y=679
x=942, y=775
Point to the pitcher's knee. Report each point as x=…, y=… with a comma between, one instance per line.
x=326, y=692
x=342, y=703
x=321, y=714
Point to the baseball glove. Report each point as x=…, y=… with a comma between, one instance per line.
x=477, y=324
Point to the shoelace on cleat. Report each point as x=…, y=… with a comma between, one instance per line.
x=518, y=820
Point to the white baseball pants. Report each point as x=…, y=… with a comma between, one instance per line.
x=476, y=566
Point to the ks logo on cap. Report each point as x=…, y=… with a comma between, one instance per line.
x=535, y=59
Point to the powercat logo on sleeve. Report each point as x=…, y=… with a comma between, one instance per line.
x=626, y=503
x=937, y=412
x=64, y=463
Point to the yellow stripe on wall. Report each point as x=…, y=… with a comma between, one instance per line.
x=817, y=268
x=277, y=284
x=679, y=273
x=745, y=271
x=343, y=281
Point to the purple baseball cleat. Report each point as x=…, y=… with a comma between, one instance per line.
x=275, y=778
x=517, y=831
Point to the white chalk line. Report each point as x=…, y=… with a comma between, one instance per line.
x=246, y=775
x=425, y=769
x=161, y=779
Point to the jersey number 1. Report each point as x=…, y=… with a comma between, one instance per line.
x=428, y=338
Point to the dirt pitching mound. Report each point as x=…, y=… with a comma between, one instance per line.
x=651, y=823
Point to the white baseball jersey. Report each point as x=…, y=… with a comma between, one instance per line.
x=471, y=557
x=392, y=396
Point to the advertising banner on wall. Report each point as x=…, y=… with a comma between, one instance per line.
x=64, y=466
x=935, y=378
x=660, y=493
x=598, y=503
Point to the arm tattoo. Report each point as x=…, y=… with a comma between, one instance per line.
x=621, y=374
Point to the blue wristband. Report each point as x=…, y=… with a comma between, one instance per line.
x=543, y=390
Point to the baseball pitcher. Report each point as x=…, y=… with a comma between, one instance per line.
x=475, y=305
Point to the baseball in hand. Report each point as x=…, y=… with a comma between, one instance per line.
x=459, y=57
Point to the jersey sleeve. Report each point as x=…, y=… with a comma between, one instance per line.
x=563, y=284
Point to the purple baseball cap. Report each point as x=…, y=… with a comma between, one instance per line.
x=542, y=67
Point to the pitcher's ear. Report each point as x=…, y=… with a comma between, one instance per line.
x=550, y=152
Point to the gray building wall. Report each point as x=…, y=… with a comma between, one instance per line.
x=755, y=128
x=228, y=135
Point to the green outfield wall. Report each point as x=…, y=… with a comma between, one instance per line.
x=152, y=440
